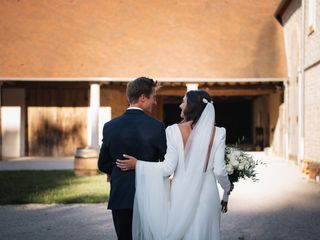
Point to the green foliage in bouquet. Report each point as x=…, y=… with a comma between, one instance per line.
x=240, y=164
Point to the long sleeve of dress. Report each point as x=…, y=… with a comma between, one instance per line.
x=219, y=166
x=152, y=195
x=171, y=158
x=169, y=164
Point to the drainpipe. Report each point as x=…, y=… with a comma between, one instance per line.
x=286, y=117
x=301, y=86
x=1, y=120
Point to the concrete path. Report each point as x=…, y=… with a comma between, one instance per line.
x=48, y=222
x=37, y=163
x=282, y=205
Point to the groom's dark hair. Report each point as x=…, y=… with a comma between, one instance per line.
x=195, y=105
x=139, y=86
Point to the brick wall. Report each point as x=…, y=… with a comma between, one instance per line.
x=312, y=41
x=293, y=31
x=312, y=87
x=312, y=114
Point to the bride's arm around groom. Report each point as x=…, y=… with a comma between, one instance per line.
x=166, y=168
x=190, y=208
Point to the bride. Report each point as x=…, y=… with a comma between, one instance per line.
x=187, y=205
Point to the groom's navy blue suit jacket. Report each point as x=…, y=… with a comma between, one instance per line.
x=136, y=134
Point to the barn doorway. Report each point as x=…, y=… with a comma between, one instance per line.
x=171, y=110
x=236, y=115
x=233, y=113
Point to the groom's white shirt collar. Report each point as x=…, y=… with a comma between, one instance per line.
x=137, y=108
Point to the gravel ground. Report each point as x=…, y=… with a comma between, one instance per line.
x=282, y=205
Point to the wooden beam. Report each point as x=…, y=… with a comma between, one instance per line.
x=128, y=79
x=172, y=91
x=243, y=92
x=284, y=4
x=222, y=91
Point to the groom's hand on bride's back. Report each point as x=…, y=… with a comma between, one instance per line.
x=126, y=164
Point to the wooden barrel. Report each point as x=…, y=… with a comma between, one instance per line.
x=86, y=162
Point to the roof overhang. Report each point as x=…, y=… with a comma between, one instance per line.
x=281, y=9
x=127, y=79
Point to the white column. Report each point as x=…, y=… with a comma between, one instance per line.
x=11, y=131
x=192, y=86
x=13, y=122
x=93, y=115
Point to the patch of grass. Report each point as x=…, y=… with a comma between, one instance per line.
x=60, y=186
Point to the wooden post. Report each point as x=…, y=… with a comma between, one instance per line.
x=1, y=120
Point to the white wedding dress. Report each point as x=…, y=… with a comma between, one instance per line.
x=189, y=206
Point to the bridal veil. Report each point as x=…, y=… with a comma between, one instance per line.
x=163, y=213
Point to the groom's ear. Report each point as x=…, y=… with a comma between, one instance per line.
x=142, y=98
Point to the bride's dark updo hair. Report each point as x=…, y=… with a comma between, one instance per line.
x=195, y=105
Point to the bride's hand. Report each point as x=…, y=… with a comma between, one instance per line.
x=231, y=188
x=224, y=206
x=127, y=164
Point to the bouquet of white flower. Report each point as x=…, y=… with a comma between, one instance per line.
x=240, y=165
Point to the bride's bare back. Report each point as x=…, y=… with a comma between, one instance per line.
x=185, y=129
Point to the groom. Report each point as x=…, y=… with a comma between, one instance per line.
x=137, y=134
